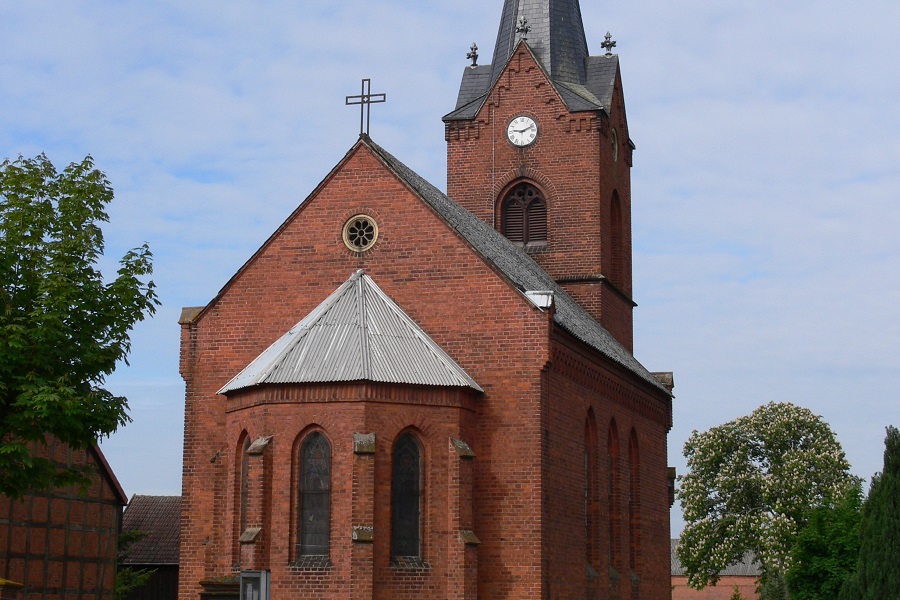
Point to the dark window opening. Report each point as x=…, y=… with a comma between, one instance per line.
x=315, y=496
x=613, y=498
x=634, y=512
x=524, y=216
x=406, y=499
x=245, y=485
x=591, y=493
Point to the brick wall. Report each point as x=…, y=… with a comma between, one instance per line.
x=422, y=264
x=522, y=493
x=572, y=163
x=584, y=389
x=722, y=591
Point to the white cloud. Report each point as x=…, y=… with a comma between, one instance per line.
x=765, y=183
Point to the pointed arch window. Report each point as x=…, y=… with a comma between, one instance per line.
x=591, y=494
x=524, y=216
x=613, y=498
x=406, y=498
x=315, y=496
x=241, y=490
x=634, y=512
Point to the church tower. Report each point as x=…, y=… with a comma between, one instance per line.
x=538, y=147
x=396, y=398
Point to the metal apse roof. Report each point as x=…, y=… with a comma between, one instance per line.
x=356, y=334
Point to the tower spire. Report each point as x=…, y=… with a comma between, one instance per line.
x=555, y=34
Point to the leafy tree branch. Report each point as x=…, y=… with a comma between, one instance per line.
x=63, y=327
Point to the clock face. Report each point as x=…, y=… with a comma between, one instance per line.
x=522, y=131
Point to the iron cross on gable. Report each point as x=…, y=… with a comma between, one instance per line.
x=365, y=100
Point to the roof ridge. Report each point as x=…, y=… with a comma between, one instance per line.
x=341, y=356
x=515, y=264
x=578, y=96
x=290, y=339
x=420, y=334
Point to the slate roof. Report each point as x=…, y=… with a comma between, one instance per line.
x=516, y=265
x=356, y=334
x=160, y=518
x=594, y=94
x=747, y=567
x=556, y=37
x=557, y=41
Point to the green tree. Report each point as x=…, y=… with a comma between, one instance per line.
x=774, y=587
x=736, y=594
x=851, y=590
x=878, y=570
x=129, y=579
x=750, y=485
x=62, y=327
x=826, y=550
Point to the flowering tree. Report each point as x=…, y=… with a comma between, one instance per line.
x=750, y=486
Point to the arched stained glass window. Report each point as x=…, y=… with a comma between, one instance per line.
x=406, y=498
x=524, y=215
x=315, y=496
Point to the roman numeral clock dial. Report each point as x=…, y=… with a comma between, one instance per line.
x=522, y=131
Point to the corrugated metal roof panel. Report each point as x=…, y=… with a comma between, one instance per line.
x=358, y=333
x=518, y=266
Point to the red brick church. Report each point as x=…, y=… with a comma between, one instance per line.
x=411, y=394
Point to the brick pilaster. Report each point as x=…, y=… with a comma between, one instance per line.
x=363, y=519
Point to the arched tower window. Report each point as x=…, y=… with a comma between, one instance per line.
x=314, y=522
x=617, y=242
x=634, y=511
x=613, y=498
x=524, y=215
x=406, y=498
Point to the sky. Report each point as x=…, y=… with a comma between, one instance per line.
x=765, y=187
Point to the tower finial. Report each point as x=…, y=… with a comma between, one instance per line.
x=473, y=54
x=608, y=44
x=523, y=28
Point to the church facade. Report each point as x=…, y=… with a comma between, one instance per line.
x=411, y=394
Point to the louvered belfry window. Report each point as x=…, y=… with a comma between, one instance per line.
x=406, y=499
x=524, y=215
x=315, y=495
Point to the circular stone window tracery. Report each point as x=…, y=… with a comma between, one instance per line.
x=360, y=233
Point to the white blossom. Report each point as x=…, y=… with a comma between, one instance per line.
x=750, y=485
